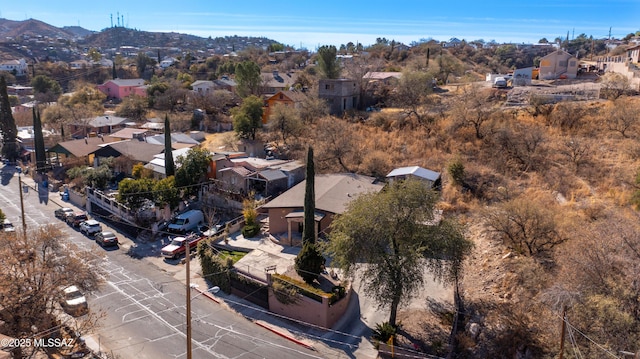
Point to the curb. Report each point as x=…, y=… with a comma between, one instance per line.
x=260, y=323
x=288, y=337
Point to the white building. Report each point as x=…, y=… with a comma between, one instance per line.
x=17, y=67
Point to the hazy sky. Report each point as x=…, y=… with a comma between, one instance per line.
x=308, y=23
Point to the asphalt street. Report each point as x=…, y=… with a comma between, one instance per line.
x=144, y=307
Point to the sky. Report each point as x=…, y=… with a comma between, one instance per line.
x=311, y=24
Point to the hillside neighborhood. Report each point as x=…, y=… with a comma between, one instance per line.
x=458, y=199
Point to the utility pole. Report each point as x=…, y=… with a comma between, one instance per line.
x=187, y=241
x=564, y=326
x=24, y=223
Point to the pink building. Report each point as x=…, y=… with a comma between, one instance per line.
x=121, y=88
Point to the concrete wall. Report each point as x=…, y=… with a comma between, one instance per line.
x=310, y=310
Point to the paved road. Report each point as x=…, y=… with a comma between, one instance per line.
x=145, y=307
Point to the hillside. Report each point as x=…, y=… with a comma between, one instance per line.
x=32, y=28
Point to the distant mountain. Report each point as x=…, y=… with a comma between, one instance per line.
x=32, y=28
x=115, y=37
x=12, y=32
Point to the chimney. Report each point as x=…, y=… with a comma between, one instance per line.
x=85, y=141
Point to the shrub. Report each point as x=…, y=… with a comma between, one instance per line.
x=383, y=332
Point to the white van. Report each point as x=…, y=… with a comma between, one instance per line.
x=186, y=222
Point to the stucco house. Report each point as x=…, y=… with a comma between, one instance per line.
x=267, y=177
x=121, y=88
x=333, y=194
x=202, y=87
x=558, y=64
x=16, y=67
x=341, y=94
x=128, y=153
x=292, y=99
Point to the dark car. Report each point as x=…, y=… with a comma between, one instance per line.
x=106, y=239
x=77, y=218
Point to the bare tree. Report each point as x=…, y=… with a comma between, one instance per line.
x=412, y=94
x=335, y=141
x=34, y=271
x=614, y=85
x=527, y=226
x=473, y=108
x=285, y=122
x=622, y=116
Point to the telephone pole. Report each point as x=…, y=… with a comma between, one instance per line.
x=187, y=242
x=24, y=223
x=564, y=326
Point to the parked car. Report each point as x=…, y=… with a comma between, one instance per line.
x=106, y=239
x=177, y=246
x=186, y=222
x=63, y=213
x=90, y=227
x=73, y=301
x=75, y=219
x=7, y=226
x=500, y=82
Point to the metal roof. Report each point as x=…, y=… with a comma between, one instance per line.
x=415, y=171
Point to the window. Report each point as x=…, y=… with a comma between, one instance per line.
x=572, y=63
x=562, y=63
x=327, y=87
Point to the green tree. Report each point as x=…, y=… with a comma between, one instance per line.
x=248, y=117
x=193, y=170
x=169, y=166
x=143, y=61
x=248, y=78
x=328, y=62
x=166, y=193
x=94, y=54
x=133, y=193
x=38, y=141
x=10, y=146
x=45, y=88
x=309, y=261
x=388, y=231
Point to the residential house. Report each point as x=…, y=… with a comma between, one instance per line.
x=266, y=177
x=24, y=107
x=81, y=149
x=341, y=94
x=178, y=140
x=167, y=62
x=156, y=124
x=225, y=83
x=333, y=194
x=128, y=153
x=157, y=163
x=203, y=87
x=558, y=64
x=121, y=88
x=18, y=90
x=633, y=54
x=292, y=99
x=129, y=133
x=453, y=42
x=272, y=82
x=79, y=64
x=98, y=125
x=431, y=178
x=387, y=78
x=16, y=67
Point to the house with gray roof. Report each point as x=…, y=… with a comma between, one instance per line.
x=429, y=177
x=128, y=153
x=333, y=193
x=104, y=124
